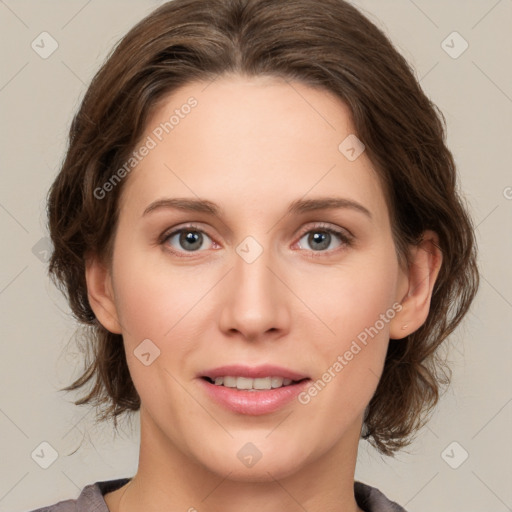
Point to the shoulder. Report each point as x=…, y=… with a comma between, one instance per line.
x=61, y=506
x=90, y=499
x=370, y=499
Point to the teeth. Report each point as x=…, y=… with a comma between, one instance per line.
x=245, y=383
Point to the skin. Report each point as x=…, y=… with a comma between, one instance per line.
x=253, y=145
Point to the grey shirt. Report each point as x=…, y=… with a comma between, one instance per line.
x=368, y=498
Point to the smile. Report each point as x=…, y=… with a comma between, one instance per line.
x=247, y=383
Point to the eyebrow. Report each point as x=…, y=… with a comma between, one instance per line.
x=296, y=207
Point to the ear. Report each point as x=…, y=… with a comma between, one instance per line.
x=100, y=293
x=418, y=281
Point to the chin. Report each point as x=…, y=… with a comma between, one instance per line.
x=249, y=464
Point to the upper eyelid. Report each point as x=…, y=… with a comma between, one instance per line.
x=326, y=226
x=192, y=227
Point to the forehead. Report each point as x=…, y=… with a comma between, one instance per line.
x=256, y=139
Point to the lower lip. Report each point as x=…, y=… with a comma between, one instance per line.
x=253, y=403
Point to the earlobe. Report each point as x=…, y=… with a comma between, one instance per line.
x=426, y=260
x=100, y=293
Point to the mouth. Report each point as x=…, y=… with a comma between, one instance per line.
x=250, y=384
x=252, y=390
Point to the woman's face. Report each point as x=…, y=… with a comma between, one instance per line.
x=307, y=294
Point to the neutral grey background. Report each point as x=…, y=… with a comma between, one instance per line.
x=38, y=97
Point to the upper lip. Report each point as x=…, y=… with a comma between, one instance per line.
x=254, y=372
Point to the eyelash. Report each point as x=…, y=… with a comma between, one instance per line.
x=346, y=240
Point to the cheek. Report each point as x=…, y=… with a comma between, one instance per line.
x=353, y=298
x=165, y=305
x=357, y=306
x=158, y=303
x=155, y=299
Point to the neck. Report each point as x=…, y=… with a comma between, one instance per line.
x=169, y=479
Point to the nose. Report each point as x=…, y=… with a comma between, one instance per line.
x=256, y=300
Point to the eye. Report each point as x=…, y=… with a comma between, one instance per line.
x=186, y=239
x=321, y=237
x=191, y=238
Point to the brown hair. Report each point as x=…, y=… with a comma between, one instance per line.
x=331, y=46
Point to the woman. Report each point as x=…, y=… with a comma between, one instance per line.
x=289, y=144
